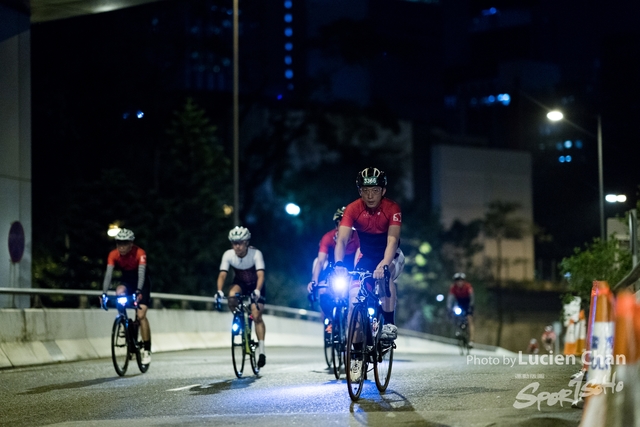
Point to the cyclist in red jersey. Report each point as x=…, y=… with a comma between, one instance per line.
x=461, y=293
x=131, y=260
x=325, y=256
x=378, y=221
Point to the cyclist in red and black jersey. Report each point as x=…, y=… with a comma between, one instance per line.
x=461, y=293
x=378, y=221
x=131, y=260
x=325, y=256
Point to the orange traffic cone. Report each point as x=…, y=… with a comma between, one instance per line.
x=581, y=334
x=602, y=334
x=570, y=344
x=600, y=355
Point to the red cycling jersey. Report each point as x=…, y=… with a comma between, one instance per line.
x=135, y=257
x=461, y=292
x=328, y=243
x=372, y=226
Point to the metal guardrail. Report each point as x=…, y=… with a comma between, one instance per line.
x=270, y=309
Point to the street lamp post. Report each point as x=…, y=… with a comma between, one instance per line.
x=556, y=115
x=236, y=121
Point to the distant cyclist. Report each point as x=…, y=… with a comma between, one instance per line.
x=131, y=260
x=461, y=293
x=247, y=263
x=325, y=256
x=548, y=338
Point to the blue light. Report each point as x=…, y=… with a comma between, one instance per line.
x=491, y=99
x=559, y=146
x=490, y=11
x=290, y=86
x=288, y=60
x=235, y=327
x=371, y=311
x=568, y=158
x=288, y=17
x=279, y=96
x=578, y=144
x=139, y=114
x=326, y=321
x=288, y=46
x=288, y=32
x=288, y=74
x=505, y=98
x=457, y=310
x=567, y=144
x=561, y=159
x=125, y=116
x=288, y=4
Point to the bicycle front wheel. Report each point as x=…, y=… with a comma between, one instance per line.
x=139, y=345
x=253, y=345
x=119, y=346
x=328, y=347
x=238, y=351
x=356, y=363
x=383, y=361
x=339, y=340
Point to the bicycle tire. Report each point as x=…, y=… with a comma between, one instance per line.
x=120, y=345
x=328, y=347
x=139, y=346
x=238, y=351
x=383, y=361
x=357, y=334
x=253, y=344
x=339, y=340
x=463, y=339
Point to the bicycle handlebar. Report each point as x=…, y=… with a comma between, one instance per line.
x=126, y=301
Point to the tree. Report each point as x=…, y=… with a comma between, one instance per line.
x=189, y=230
x=598, y=260
x=500, y=224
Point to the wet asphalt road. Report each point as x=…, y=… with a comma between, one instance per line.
x=193, y=388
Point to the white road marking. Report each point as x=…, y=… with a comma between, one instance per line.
x=184, y=388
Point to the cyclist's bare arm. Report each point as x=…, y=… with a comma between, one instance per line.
x=222, y=276
x=393, y=238
x=260, y=281
x=344, y=234
x=317, y=268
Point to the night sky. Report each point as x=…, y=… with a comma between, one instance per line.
x=92, y=74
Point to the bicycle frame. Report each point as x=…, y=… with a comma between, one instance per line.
x=241, y=325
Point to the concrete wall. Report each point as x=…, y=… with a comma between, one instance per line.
x=15, y=148
x=41, y=336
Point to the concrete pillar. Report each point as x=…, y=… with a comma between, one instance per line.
x=15, y=155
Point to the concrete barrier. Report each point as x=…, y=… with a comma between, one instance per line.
x=41, y=336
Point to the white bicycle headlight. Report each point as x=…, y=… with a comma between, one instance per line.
x=122, y=300
x=371, y=311
x=457, y=310
x=339, y=283
x=235, y=327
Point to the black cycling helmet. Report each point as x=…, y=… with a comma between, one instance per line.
x=337, y=217
x=371, y=177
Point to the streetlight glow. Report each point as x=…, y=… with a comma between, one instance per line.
x=616, y=198
x=292, y=209
x=113, y=230
x=555, y=115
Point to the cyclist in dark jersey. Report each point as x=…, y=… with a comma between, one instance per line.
x=131, y=260
x=247, y=263
x=378, y=222
x=325, y=256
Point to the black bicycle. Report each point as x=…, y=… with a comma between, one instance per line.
x=335, y=339
x=126, y=341
x=243, y=343
x=364, y=343
x=462, y=329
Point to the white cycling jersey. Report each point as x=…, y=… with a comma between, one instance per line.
x=244, y=268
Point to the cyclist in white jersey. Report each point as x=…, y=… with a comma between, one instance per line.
x=247, y=263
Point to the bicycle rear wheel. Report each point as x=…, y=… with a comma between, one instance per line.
x=339, y=340
x=139, y=346
x=238, y=351
x=384, y=359
x=119, y=346
x=356, y=363
x=463, y=339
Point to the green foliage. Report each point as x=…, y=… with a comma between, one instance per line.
x=598, y=260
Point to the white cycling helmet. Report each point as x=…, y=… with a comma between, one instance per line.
x=239, y=234
x=459, y=276
x=125, y=234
